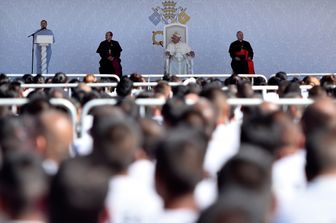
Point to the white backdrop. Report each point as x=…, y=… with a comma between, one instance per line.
x=289, y=35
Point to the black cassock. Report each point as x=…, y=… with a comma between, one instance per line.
x=237, y=49
x=105, y=50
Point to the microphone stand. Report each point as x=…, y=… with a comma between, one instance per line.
x=33, y=35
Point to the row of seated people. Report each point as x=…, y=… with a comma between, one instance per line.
x=280, y=76
x=201, y=162
x=280, y=79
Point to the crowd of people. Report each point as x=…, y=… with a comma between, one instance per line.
x=194, y=159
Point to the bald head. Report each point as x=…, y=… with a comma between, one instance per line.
x=218, y=98
x=57, y=130
x=209, y=113
x=321, y=114
x=291, y=136
x=268, y=107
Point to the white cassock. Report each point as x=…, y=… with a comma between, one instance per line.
x=179, y=62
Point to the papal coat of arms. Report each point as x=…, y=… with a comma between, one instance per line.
x=169, y=13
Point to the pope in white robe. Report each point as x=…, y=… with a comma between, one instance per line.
x=179, y=55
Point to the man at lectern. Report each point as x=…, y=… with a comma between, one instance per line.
x=42, y=31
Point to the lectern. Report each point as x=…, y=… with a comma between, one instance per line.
x=43, y=41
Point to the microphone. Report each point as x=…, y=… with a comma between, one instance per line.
x=37, y=31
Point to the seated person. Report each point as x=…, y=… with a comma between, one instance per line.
x=179, y=54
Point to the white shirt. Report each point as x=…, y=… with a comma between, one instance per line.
x=83, y=145
x=223, y=145
x=317, y=204
x=288, y=177
x=177, y=216
x=130, y=202
x=142, y=171
x=50, y=167
x=206, y=193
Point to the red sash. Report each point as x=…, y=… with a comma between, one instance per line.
x=242, y=53
x=116, y=66
x=250, y=64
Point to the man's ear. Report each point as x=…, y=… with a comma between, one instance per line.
x=41, y=145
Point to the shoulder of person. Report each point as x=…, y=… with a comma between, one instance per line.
x=234, y=43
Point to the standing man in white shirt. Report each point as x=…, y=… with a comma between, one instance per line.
x=179, y=167
x=43, y=31
x=317, y=202
x=115, y=143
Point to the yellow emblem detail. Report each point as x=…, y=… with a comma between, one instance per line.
x=169, y=13
x=155, y=41
x=183, y=17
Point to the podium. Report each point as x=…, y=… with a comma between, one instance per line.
x=43, y=41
